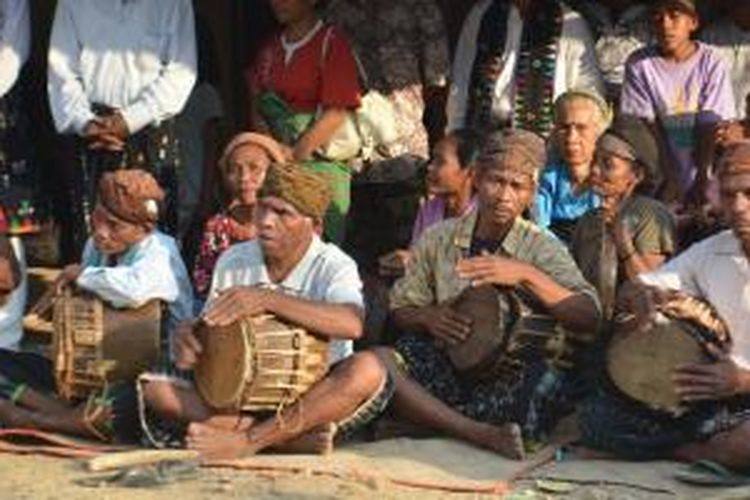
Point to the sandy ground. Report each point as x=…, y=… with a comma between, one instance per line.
x=41, y=478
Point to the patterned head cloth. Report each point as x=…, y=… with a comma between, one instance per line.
x=736, y=159
x=514, y=149
x=307, y=191
x=267, y=144
x=132, y=195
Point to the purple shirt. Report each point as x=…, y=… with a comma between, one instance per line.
x=431, y=212
x=679, y=96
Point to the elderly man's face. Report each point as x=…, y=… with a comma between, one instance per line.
x=735, y=201
x=245, y=173
x=112, y=235
x=503, y=193
x=282, y=229
x=577, y=130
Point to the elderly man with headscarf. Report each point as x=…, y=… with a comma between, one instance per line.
x=288, y=272
x=716, y=393
x=491, y=245
x=126, y=263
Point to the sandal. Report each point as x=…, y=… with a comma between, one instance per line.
x=710, y=473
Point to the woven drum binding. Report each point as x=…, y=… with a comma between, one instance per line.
x=258, y=364
x=640, y=363
x=94, y=345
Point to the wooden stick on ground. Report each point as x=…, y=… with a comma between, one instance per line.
x=138, y=457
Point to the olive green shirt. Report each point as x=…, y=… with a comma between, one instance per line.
x=431, y=277
x=648, y=221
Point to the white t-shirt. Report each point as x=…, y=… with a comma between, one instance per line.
x=734, y=45
x=324, y=274
x=716, y=270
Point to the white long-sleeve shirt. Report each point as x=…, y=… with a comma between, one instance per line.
x=138, y=56
x=11, y=312
x=15, y=41
x=150, y=269
x=576, y=63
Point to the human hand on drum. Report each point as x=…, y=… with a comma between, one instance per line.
x=236, y=303
x=721, y=379
x=638, y=303
x=187, y=348
x=492, y=270
x=447, y=325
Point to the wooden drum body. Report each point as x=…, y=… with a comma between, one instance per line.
x=258, y=364
x=641, y=363
x=95, y=344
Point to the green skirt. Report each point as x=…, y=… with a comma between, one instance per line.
x=339, y=178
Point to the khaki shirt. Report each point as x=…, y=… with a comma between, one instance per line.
x=432, y=279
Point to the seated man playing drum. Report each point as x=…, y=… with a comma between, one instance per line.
x=126, y=263
x=287, y=272
x=715, y=391
x=492, y=245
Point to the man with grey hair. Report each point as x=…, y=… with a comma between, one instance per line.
x=565, y=192
x=491, y=247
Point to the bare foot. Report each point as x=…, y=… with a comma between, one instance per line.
x=218, y=444
x=318, y=441
x=504, y=439
x=236, y=422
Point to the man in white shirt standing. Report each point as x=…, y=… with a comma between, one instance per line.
x=717, y=271
x=119, y=71
x=287, y=271
x=15, y=153
x=507, y=72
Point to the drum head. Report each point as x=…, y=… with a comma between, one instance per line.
x=482, y=305
x=640, y=363
x=221, y=369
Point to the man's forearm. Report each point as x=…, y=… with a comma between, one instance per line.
x=575, y=311
x=411, y=319
x=342, y=321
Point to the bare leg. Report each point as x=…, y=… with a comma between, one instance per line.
x=174, y=402
x=728, y=448
x=68, y=421
x=34, y=400
x=331, y=400
x=414, y=403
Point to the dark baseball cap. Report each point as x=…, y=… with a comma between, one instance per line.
x=689, y=6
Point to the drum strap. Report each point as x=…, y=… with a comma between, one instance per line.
x=608, y=266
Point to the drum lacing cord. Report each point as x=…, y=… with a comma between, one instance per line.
x=287, y=401
x=142, y=413
x=92, y=410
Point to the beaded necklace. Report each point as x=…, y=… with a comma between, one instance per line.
x=534, y=72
